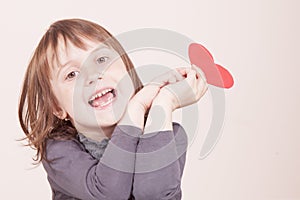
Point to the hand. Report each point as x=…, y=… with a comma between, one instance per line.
x=168, y=77
x=185, y=92
x=143, y=99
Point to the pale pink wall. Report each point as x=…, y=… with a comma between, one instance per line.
x=257, y=156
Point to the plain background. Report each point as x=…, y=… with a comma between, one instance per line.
x=257, y=156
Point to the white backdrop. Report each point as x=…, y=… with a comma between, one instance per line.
x=257, y=156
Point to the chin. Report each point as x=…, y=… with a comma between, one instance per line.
x=108, y=119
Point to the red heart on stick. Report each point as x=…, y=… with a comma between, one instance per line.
x=215, y=74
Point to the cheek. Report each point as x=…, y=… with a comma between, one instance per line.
x=117, y=71
x=68, y=101
x=122, y=77
x=64, y=96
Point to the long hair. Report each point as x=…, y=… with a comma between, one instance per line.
x=37, y=101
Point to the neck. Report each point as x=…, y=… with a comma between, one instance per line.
x=99, y=134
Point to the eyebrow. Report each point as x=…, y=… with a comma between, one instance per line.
x=100, y=47
x=65, y=64
x=61, y=67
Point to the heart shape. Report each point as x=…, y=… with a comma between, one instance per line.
x=215, y=74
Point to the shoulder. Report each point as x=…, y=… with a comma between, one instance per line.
x=66, y=154
x=58, y=148
x=63, y=143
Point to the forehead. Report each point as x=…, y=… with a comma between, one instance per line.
x=66, y=50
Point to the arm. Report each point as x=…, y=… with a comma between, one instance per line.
x=161, y=150
x=161, y=156
x=75, y=173
x=159, y=164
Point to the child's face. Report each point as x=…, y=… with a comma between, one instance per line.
x=92, y=86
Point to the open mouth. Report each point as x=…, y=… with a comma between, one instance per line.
x=102, y=98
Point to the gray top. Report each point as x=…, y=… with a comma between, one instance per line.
x=129, y=165
x=95, y=148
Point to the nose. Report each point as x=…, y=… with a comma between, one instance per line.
x=94, y=77
x=91, y=71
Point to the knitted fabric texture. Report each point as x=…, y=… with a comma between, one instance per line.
x=95, y=148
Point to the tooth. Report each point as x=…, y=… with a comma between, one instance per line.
x=105, y=91
x=100, y=94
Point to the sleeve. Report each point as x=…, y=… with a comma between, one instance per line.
x=76, y=173
x=160, y=161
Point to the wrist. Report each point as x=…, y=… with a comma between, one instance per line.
x=165, y=99
x=133, y=116
x=160, y=117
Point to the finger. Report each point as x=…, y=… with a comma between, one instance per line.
x=172, y=79
x=201, y=81
x=170, y=76
x=150, y=90
x=155, y=83
x=177, y=75
x=192, y=80
x=199, y=72
x=202, y=87
x=183, y=70
x=191, y=74
x=160, y=80
x=146, y=95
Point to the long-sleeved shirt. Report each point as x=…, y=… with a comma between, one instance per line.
x=127, y=166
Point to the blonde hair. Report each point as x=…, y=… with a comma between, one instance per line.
x=37, y=101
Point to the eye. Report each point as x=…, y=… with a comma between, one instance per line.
x=72, y=75
x=102, y=59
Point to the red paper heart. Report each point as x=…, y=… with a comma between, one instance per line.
x=215, y=74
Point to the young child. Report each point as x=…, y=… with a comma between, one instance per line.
x=83, y=108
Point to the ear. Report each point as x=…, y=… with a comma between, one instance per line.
x=61, y=114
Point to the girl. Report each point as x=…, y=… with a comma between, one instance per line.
x=86, y=119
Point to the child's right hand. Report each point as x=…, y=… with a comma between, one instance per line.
x=145, y=96
x=185, y=92
x=140, y=103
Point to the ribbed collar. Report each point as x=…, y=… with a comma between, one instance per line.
x=95, y=148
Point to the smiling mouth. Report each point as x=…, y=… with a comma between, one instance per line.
x=103, y=98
